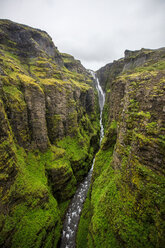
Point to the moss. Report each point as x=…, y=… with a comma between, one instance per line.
x=16, y=96
x=125, y=208
x=100, y=223
x=67, y=58
x=83, y=86
x=73, y=123
x=152, y=128
x=161, y=140
x=37, y=186
x=7, y=161
x=83, y=238
x=32, y=225
x=146, y=115
x=74, y=149
x=110, y=137
x=29, y=220
x=117, y=217
x=160, y=65
x=82, y=233
x=105, y=115
x=79, y=148
x=56, y=121
x=63, y=208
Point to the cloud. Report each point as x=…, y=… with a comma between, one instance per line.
x=94, y=31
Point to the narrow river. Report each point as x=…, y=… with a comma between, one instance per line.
x=68, y=239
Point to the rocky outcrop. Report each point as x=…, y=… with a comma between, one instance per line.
x=109, y=72
x=35, y=100
x=49, y=132
x=125, y=207
x=73, y=65
x=28, y=42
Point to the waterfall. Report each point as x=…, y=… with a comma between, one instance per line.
x=68, y=239
x=101, y=96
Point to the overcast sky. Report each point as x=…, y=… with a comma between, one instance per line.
x=94, y=31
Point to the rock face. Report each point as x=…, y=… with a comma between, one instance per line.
x=49, y=132
x=125, y=207
x=28, y=41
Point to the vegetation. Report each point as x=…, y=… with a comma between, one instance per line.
x=125, y=207
x=49, y=133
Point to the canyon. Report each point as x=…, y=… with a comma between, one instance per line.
x=51, y=128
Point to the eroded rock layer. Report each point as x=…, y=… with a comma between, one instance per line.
x=125, y=206
x=49, y=132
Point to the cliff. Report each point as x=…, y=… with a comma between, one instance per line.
x=125, y=206
x=49, y=132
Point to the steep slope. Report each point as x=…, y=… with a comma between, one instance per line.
x=49, y=132
x=125, y=206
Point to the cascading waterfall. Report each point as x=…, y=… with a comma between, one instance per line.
x=101, y=103
x=68, y=239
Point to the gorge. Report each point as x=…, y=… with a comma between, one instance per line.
x=53, y=116
x=74, y=210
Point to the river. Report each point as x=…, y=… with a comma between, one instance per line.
x=68, y=239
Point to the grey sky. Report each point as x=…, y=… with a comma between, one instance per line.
x=94, y=31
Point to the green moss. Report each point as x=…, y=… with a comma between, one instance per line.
x=16, y=97
x=152, y=128
x=34, y=224
x=160, y=65
x=105, y=115
x=143, y=114
x=79, y=149
x=117, y=217
x=125, y=208
x=82, y=233
x=161, y=140
x=73, y=123
x=37, y=186
x=142, y=138
x=113, y=125
x=56, y=120
x=100, y=225
x=67, y=58
x=75, y=150
x=37, y=210
x=63, y=207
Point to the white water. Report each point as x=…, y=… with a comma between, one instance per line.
x=68, y=239
x=101, y=103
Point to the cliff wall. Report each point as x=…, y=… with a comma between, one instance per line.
x=125, y=206
x=49, y=132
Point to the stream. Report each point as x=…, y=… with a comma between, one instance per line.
x=68, y=239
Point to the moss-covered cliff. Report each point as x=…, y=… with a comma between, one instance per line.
x=126, y=205
x=49, y=131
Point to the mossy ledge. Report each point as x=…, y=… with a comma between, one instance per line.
x=49, y=132
x=126, y=204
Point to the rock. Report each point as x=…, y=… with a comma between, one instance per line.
x=28, y=42
x=49, y=121
x=35, y=100
x=125, y=207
